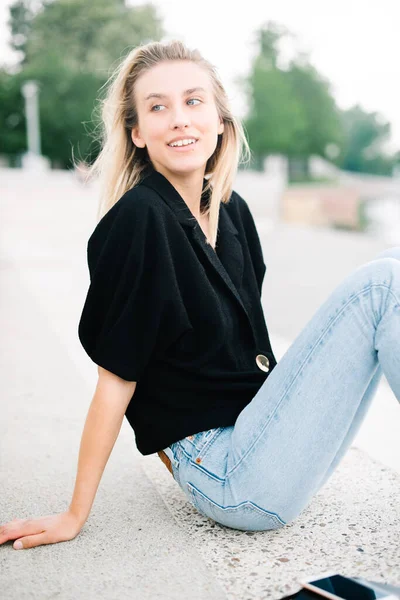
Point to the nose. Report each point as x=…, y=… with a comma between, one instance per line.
x=180, y=118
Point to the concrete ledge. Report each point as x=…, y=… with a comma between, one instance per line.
x=351, y=527
x=130, y=547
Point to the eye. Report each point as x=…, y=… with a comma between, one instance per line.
x=190, y=100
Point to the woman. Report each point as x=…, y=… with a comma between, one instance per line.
x=173, y=318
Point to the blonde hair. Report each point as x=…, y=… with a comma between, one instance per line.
x=120, y=164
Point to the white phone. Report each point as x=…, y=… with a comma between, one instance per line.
x=336, y=587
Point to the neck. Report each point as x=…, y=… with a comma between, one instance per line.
x=189, y=186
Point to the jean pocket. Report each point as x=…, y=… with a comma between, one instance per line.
x=245, y=516
x=203, y=440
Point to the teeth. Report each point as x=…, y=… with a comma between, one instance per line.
x=182, y=143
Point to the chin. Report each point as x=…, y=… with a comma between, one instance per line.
x=186, y=168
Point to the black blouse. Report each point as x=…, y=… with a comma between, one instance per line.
x=168, y=311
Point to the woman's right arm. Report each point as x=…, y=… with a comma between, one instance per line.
x=101, y=429
x=102, y=426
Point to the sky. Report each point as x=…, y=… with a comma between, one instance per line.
x=353, y=43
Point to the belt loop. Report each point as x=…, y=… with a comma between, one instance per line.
x=171, y=456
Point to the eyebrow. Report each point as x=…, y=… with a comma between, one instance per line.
x=185, y=93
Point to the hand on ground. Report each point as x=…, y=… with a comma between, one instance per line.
x=45, y=530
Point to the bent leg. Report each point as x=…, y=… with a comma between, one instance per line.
x=286, y=442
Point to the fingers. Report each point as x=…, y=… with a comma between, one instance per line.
x=20, y=528
x=50, y=529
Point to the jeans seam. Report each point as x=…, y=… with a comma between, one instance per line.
x=247, y=505
x=301, y=367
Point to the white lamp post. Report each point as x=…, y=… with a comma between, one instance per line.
x=32, y=160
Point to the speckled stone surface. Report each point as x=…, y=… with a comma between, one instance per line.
x=352, y=527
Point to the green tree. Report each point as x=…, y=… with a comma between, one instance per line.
x=274, y=121
x=365, y=135
x=21, y=15
x=291, y=110
x=12, y=124
x=89, y=35
x=71, y=47
x=318, y=106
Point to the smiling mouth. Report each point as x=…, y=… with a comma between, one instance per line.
x=183, y=145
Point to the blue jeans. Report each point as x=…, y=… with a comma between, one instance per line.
x=262, y=472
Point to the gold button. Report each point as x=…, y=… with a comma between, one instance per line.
x=262, y=362
x=198, y=460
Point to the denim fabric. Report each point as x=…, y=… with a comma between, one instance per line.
x=261, y=473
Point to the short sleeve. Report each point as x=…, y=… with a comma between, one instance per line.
x=120, y=321
x=253, y=241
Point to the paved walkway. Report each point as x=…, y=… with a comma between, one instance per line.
x=143, y=539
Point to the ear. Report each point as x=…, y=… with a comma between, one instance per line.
x=221, y=126
x=136, y=139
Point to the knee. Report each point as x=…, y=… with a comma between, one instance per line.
x=385, y=267
x=384, y=271
x=393, y=252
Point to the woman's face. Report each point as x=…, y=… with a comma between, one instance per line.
x=175, y=100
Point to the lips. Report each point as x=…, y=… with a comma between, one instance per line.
x=183, y=140
x=184, y=148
